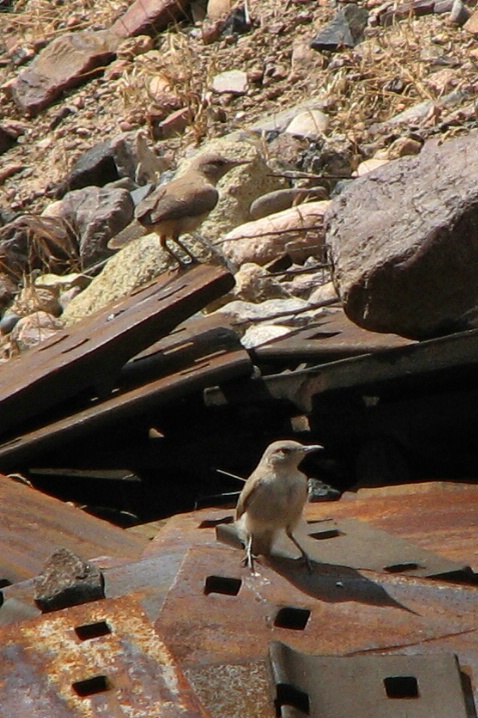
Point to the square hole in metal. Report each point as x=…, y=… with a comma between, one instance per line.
x=97, y=684
x=222, y=584
x=326, y=534
x=289, y=695
x=291, y=617
x=399, y=567
x=92, y=630
x=401, y=686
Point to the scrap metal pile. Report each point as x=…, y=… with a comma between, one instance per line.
x=162, y=618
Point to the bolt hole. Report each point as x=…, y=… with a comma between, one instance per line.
x=399, y=567
x=222, y=584
x=291, y=617
x=97, y=684
x=401, y=686
x=92, y=630
x=326, y=534
x=4, y=582
x=289, y=695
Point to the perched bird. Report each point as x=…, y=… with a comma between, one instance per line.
x=181, y=205
x=273, y=499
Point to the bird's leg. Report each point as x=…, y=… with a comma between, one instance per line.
x=304, y=555
x=249, y=558
x=217, y=252
x=164, y=245
x=194, y=260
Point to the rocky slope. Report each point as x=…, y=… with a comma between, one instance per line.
x=97, y=103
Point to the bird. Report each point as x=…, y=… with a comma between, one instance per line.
x=272, y=499
x=181, y=205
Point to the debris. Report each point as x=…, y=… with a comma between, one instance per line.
x=67, y=581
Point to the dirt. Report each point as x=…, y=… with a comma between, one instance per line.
x=394, y=69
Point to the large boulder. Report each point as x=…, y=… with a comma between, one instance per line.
x=404, y=242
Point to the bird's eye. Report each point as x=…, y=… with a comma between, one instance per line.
x=285, y=451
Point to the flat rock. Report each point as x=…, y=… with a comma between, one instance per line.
x=309, y=124
x=266, y=239
x=233, y=81
x=149, y=17
x=404, y=242
x=344, y=30
x=97, y=214
x=130, y=268
x=66, y=62
x=66, y=581
x=282, y=199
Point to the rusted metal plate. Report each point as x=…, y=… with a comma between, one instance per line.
x=437, y=516
x=367, y=686
x=92, y=353
x=33, y=525
x=103, y=658
x=356, y=544
x=332, y=337
x=210, y=354
x=228, y=615
x=428, y=361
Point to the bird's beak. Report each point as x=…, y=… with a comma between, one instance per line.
x=312, y=447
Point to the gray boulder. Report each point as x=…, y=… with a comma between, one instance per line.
x=404, y=242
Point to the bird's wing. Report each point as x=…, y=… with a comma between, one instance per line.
x=170, y=203
x=249, y=492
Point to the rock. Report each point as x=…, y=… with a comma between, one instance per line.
x=8, y=289
x=256, y=336
x=97, y=214
x=238, y=189
x=291, y=312
x=66, y=62
x=305, y=284
x=309, y=124
x=266, y=239
x=33, y=329
x=218, y=9
x=345, y=30
x=255, y=284
x=402, y=147
x=404, y=242
x=280, y=120
x=326, y=294
x=173, y=124
x=471, y=24
x=128, y=269
x=282, y=199
x=233, y=81
x=369, y=165
x=37, y=299
x=126, y=155
x=66, y=581
x=8, y=322
x=150, y=17
x=7, y=140
x=64, y=282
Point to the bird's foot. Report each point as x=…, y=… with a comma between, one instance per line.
x=307, y=561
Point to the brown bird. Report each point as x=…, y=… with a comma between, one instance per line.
x=181, y=205
x=273, y=499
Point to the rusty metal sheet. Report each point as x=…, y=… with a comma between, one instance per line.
x=91, y=354
x=214, y=363
x=217, y=612
x=367, y=686
x=332, y=337
x=429, y=361
x=356, y=544
x=33, y=525
x=103, y=658
x=438, y=516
